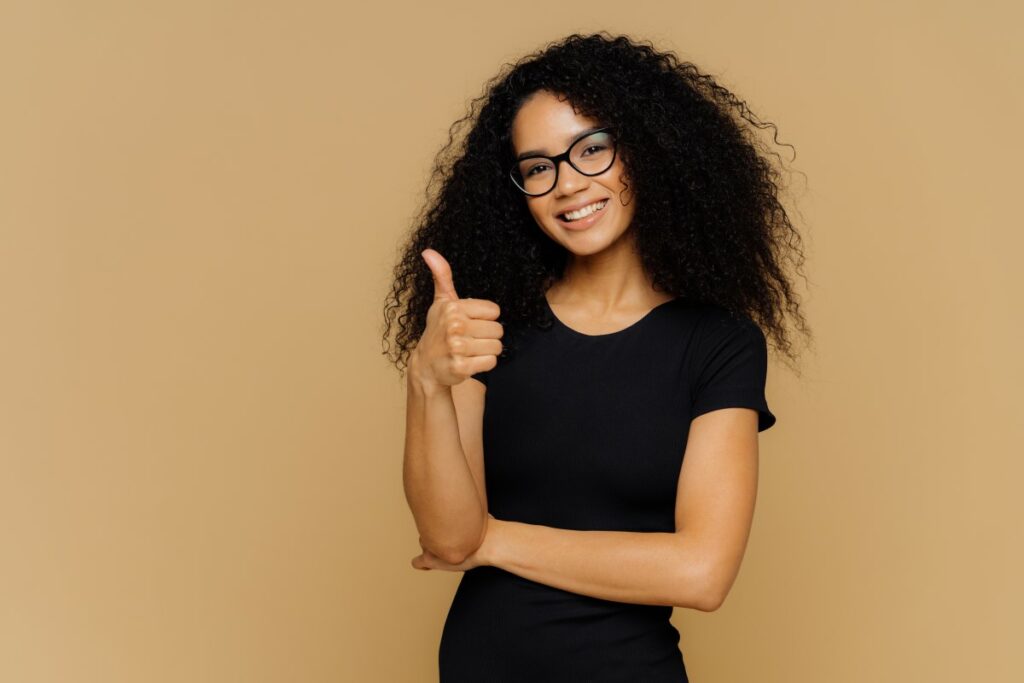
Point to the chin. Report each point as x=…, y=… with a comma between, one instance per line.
x=588, y=242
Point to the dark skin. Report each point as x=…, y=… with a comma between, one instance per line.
x=604, y=289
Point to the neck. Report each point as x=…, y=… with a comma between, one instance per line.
x=612, y=279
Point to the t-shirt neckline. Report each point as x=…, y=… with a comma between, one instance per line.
x=615, y=333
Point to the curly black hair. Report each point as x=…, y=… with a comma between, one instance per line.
x=708, y=222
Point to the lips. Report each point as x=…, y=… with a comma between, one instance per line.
x=586, y=222
x=582, y=205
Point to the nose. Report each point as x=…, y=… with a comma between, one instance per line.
x=569, y=179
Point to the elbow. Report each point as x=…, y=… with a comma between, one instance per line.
x=703, y=601
x=449, y=553
x=711, y=600
x=454, y=555
x=707, y=576
x=464, y=552
x=457, y=551
x=705, y=592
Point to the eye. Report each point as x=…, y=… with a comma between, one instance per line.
x=538, y=167
x=597, y=147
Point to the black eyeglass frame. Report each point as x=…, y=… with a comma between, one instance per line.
x=564, y=156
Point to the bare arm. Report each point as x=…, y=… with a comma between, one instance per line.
x=442, y=469
x=695, y=566
x=643, y=568
x=446, y=498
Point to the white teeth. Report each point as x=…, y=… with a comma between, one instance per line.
x=585, y=211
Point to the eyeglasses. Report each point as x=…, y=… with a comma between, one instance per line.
x=591, y=155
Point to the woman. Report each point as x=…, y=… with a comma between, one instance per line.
x=610, y=207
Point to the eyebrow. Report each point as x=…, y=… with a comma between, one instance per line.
x=539, y=152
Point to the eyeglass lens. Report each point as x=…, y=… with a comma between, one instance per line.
x=591, y=155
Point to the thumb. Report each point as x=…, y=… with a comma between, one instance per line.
x=444, y=288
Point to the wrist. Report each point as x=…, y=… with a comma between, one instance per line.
x=492, y=550
x=420, y=381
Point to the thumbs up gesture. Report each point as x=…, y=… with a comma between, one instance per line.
x=462, y=336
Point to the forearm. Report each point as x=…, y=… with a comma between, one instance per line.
x=438, y=483
x=653, y=568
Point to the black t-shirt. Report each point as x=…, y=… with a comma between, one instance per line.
x=588, y=432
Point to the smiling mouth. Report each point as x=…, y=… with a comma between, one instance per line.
x=586, y=211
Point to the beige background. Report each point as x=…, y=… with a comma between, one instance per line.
x=201, y=441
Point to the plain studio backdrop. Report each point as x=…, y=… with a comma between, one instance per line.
x=201, y=440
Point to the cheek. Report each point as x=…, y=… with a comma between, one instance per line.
x=538, y=210
x=627, y=211
x=622, y=183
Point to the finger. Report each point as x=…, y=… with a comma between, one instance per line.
x=441, y=271
x=483, y=329
x=480, y=348
x=480, y=309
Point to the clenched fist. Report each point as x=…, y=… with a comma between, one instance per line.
x=462, y=336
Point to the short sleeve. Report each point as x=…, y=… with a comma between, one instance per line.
x=730, y=367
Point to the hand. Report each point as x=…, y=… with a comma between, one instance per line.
x=462, y=336
x=427, y=560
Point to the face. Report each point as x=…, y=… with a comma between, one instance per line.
x=548, y=125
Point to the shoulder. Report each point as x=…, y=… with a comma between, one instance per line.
x=702, y=322
x=727, y=339
x=715, y=321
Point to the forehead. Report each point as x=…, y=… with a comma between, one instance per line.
x=547, y=123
